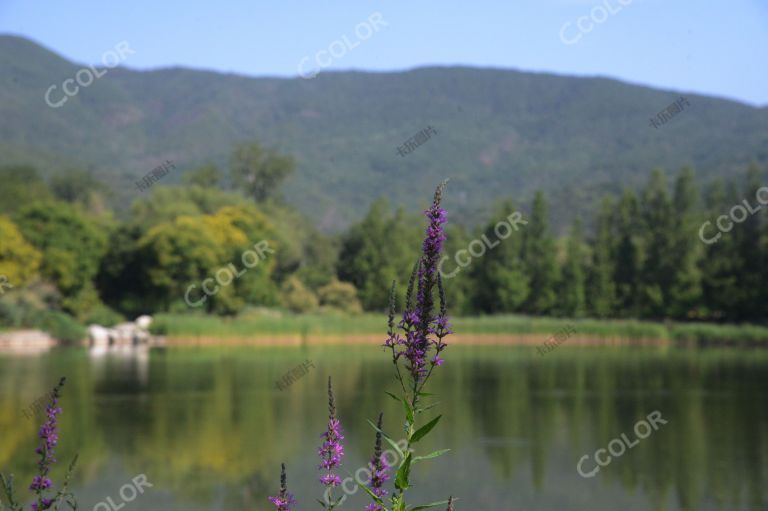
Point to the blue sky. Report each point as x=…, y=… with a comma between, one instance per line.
x=716, y=47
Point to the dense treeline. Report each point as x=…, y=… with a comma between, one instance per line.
x=67, y=255
x=646, y=255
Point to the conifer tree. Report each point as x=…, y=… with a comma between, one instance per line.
x=540, y=262
x=628, y=256
x=601, y=288
x=572, y=288
x=720, y=260
x=658, y=239
x=500, y=278
x=685, y=289
x=747, y=235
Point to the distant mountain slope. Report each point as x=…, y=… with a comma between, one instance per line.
x=499, y=132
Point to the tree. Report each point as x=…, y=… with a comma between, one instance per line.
x=166, y=203
x=658, y=269
x=747, y=236
x=21, y=185
x=19, y=261
x=254, y=286
x=500, y=280
x=572, y=288
x=461, y=291
x=259, y=172
x=178, y=256
x=539, y=258
x=319, y=260
x=206, y=176
x=720, y=287
x=601, y=289
x=373, y=254
x=72, y=246
x=628, y=257
x=122, y=281
x=78, y=186
x=685, y=287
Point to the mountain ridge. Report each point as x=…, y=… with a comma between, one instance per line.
x=500, y=132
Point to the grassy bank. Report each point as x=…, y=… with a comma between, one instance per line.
x=273, y=323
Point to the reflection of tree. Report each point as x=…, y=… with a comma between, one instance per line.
x=210, y=424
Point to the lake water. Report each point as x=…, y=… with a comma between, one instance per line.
x=209, y=427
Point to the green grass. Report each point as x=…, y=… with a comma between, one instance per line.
x=263, y=323
x=268, y=324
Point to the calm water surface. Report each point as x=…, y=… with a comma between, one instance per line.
x=209, y=427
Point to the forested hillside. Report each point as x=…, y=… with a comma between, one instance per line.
x=499, y=133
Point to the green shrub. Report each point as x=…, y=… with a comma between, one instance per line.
x=61, y=326
x=340, y=295
x=159, y=326
x=104, y=316
x=24, y=306
x=296, y=296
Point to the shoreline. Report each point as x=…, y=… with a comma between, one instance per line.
x=532, y=340
x=273, y=330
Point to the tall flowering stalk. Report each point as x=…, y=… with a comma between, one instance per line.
x=284, y=500
x=418, y=345
x=331, y=451
x=423, y=330
x=379, y=470
x=41, y=483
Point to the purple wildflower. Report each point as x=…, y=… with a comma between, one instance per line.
x=40, y=483
x=49, y=436
x=284, y=501
x=331, y=451
x=379, y=468
x=419, y=322
x=45, y=503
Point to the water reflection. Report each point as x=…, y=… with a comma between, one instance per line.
x=130, y=360
x=209, y=428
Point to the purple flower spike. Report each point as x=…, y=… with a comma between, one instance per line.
x=49, y=438
x=332, y=450
x=284, y=501
x=379, y=470
x=423, y=328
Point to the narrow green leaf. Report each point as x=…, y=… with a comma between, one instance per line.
x=403, y=473
x=431, y=455
x=422, y=431
x=408, y=412
x=422, y=410
x=427, y=506
x=396, y=398
x=373, y=495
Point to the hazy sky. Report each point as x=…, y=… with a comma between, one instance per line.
x=717, y=47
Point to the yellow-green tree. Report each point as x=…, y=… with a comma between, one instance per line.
x=201, y=261
x=19, y=261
